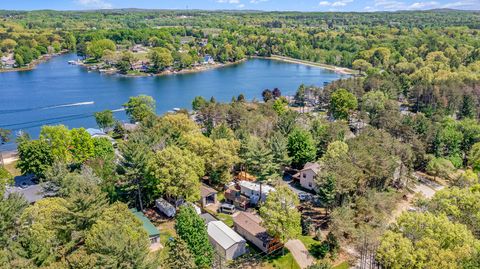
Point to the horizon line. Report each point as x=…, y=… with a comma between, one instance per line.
x=239, y=10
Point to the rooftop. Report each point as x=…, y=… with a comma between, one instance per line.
x=315, y=167
x=151, y=230
x=223, y=235
x=255, y=186
x=207, y=217
x=206, y=191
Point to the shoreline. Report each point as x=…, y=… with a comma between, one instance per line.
x=341, y=70
x=33, y=65
x=193, y=70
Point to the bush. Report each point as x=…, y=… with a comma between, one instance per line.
x=320, y=251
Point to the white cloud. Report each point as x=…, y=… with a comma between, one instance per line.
x=466, y=4
x=423, y=5
x=338, y=3
x=392, y=5
x=241, y=6
x=229, y=1
x=101, y=4
x=257, y=1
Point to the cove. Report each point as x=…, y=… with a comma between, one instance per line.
x=58, y=93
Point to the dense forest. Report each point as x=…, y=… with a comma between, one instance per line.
x=411, y=115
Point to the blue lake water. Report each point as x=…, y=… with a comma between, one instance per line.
x=59, y=93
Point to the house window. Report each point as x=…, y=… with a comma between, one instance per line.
x=310, y=184
x=304, y=175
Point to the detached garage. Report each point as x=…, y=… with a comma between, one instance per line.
x=226, y=241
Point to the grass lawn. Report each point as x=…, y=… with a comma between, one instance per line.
x=307, y=240
x=12, y=169
x=167, y=230
x=227, y=219
x=285, y=262
x=343, y=265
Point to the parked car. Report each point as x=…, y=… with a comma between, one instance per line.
x=303, y=196
x=226, y=208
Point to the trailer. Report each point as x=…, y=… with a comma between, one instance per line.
x=165, y=207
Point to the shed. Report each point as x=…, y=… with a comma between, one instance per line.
x=249, y=226
x=208, y=195
x=226, y=241
x=152, y=231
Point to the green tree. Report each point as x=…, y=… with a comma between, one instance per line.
x=105, y=119
x=176, y=173
x=103, y=148
x=191, y=229
x=280, y=105
x=279, y=147
x=222, y=132
x=199, y=102
x=427, y=240
x=179, y=255
x=361, y=65
x=341, y=103
x=459, y=205
x=59, y=139
x=374, y=102
x=11, y=208
x=161, y=58
x=96, y=49
x=280, y=214
x=335, y=150
x=301, y=147
x=140, y=107
x=82, y=147
x=258, y=159
x=326, y=192
x=468, y=108
x=474, y=157
x=440, y=167
x=34, y=157
x=4, y=136
x=118, y=239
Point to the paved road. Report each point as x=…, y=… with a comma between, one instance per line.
x=300, y=253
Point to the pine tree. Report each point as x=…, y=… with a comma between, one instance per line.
x=179, y=256
x=191, y=228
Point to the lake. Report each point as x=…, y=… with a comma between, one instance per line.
x=59, y=93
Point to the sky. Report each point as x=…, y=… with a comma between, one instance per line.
x=277, y=5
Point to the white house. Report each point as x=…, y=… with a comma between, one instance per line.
x=226, y=241
x=307, y=175
x=254, y=191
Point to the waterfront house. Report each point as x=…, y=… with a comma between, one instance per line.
x=207, y=59
x=249, y=226
x=152, y=231
x=7, y=61
x=255, y=191
x=208, y=195
x=306, y=176
x=228, y=244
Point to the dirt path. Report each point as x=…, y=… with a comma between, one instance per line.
x=300, y=253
